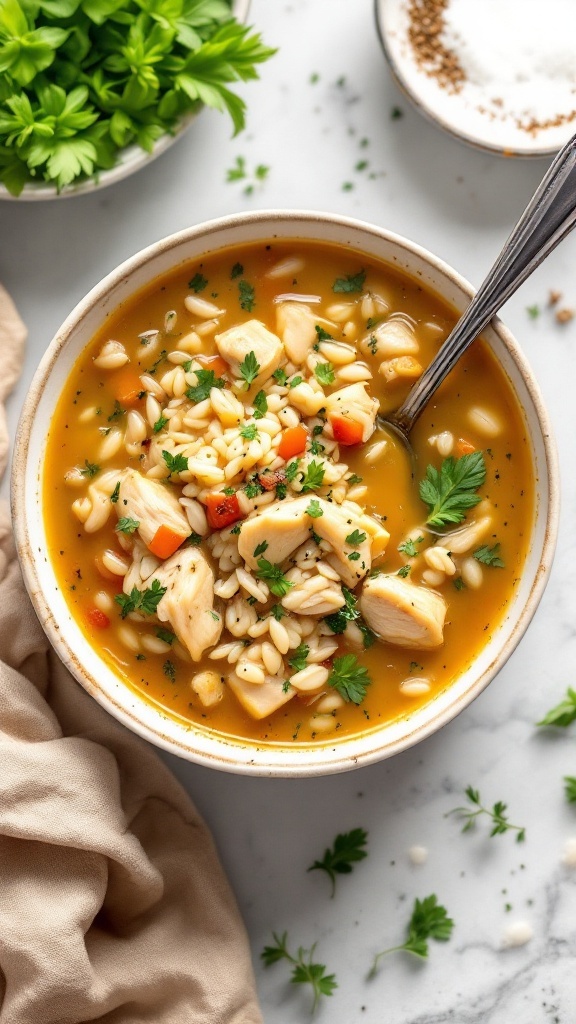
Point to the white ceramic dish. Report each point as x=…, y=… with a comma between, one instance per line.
x=186, y=740
x=131, y=159
x=467, y=115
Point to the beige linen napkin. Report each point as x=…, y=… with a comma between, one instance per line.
x=113, y=904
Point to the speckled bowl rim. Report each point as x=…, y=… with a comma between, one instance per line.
x=198, y=744
x=428, y=111
x=130, y=159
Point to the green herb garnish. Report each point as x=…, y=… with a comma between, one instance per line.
x=246, y=296
x=90, y=469
x=160, y=424
x=249, y=368
x=207, y=380
x=313, y=476
x=348, y=849
x=324, y=373
x=260, y=405
x=497, y=815
x=408, y=547
x=356, y=538
x=313, y=509
x=429, y=921
x=489, y=556
x=349, y=678
x=127, y=525
x=198, y=283
x=275, y=578
x=321, y=334
x=564, y=713
x=175, y=463
x=115, y=494
x=350, y=283
x=299, y=656
x=304, y=971
x=249, y=431
x=145, y=601
x=451, y=491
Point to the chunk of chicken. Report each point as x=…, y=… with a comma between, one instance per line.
x=208, y=687
x=354, y=403
x=284, y=526
x=188, y=604
x=392, y=338
x=402, y=613
x=238, y=342
x=296, y=325
x=260, y=699
x=152, y=505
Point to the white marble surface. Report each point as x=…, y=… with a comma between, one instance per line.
x=461, y=204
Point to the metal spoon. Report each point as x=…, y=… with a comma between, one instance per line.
x=549, y=216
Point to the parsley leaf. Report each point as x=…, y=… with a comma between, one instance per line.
x=408, y=547
x=570, y=788
x=313, y=476
x=339, y=620
x=291, y=470
x=160, y=424
x=275, y=578
x=117, y=412
x=304, y=972
x=298, y=659
x=246, y=296
x=280, y=377
x=260, y=548
x=277, y=611
x=198, y=283
x=249, y=431
x=169, y=670
x=90, y=469
x=356, y=538
x=350, y=283
x=260, y=405
x=127, y=525
x=175, y=463
x=166, y=635
x=237, y=271
x=348, y=849
x=249, y=368
x=321, y=334
x=324, y=373
x=497, y=815
x=207, y=380
x=115, y=494
x=450, y=492
x=564, y=713
x=489, y=556
x=349, y=678
x=145, y=601
x=313, y=509
x=429, y=920
x=404, y=571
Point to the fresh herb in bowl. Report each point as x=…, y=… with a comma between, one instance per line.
x=81, y=80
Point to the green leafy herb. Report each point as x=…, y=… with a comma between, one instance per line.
x=165, y=635
x=295, y=382
x=450, y=492
x=304, y=971
x=321, y=334
x=489, y=556
x=373, y=344
x=570, y=788
x=354, y=479
x=260, y=405
x=564, y=713
x=81, y=81
x=127, y=525
x=115, y=494
x=408, y=547
x=117, y=413
x=246, y=296
x=356, y=538
x=458, y=583
x=348, y=849
x=198, y=283
x=372, y=322
x=277, y=611
x=280, y=377
x=533, y=312
x=497, y=815
x=249, y=431
x=349, y=678
x=404, y=571
x=429, y=921
x=396, y=113
x=194, y=539
x=90, y=469
x=313, y=509
x=229, y=491
x=237, y=271
x=169, y=670
x=207, y=380
x=339, y=620
x=156, y=364
x=260, y=548
x=249, y=368
x=313, y=476
x=324, y=373
x=253, y=489
x=299, y=656
x=160, y=424
x=145, y=601
x=291, y=470
x=175, y=463
x=350, y=283
x=275, y=578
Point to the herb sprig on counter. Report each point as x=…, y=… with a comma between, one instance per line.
x=429, y=920
x=83, y=79
x=304, y=970
x=497, y=815
x=564, y=713
x=348, y=848
x=451, y=491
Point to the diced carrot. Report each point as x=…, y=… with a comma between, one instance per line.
x=165, y=542
x=292, y=442
x=126, y=386
x=222, y=510
x=215, y=363
x=463, y=447
x=346, y=431
x=97, y=618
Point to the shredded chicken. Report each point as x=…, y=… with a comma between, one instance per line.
x=188, y=604
x=260, y=699
x=297, y=327
x=402, y=613
x=151, y=504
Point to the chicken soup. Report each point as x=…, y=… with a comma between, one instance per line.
x=232, y=525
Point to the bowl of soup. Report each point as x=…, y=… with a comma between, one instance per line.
x=222, y=539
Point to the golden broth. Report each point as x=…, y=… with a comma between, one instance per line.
x=478, y=381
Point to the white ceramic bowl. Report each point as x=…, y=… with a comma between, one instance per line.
x=197, y=743
x=129, y=160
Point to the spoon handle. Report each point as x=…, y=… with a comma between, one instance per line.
x=549, y=216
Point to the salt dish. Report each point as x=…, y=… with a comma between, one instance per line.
x=498, y=75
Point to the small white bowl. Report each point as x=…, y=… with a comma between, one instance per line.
x=194, y=742
x=131, y=159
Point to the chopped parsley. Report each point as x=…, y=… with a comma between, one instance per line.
x=166, y=635
x=237, y=271
x=277, y=611
x=429, y=921
x=274, y=577
x=489, y=556
x=115, y=494
x=295, y=382
x=356, y=538
x=280, y=377
x=298, y=659
x=322, y=335
x=246, y=296
x=207, y=380
x=350, y=283
x=117, y=413
x=169, y=670
x=349, y=678
x=194, y=539
x=564, y=713
x=90, y=469
x=354, y=479
x=404, y=571
x=354, y=556
x=261, y=548
x=127, y=525
x=249, y=368
x=160, y=424
x=313, y=509
x=249, y=431
x=175, y=463
x=313, y=476
x=260, y=405
x=198, y=283
x=145, y=601
x=408, y=547
x=451, y=491
x=304, y=971
x=291, y=470
x=348, y=849
x=324, y=373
